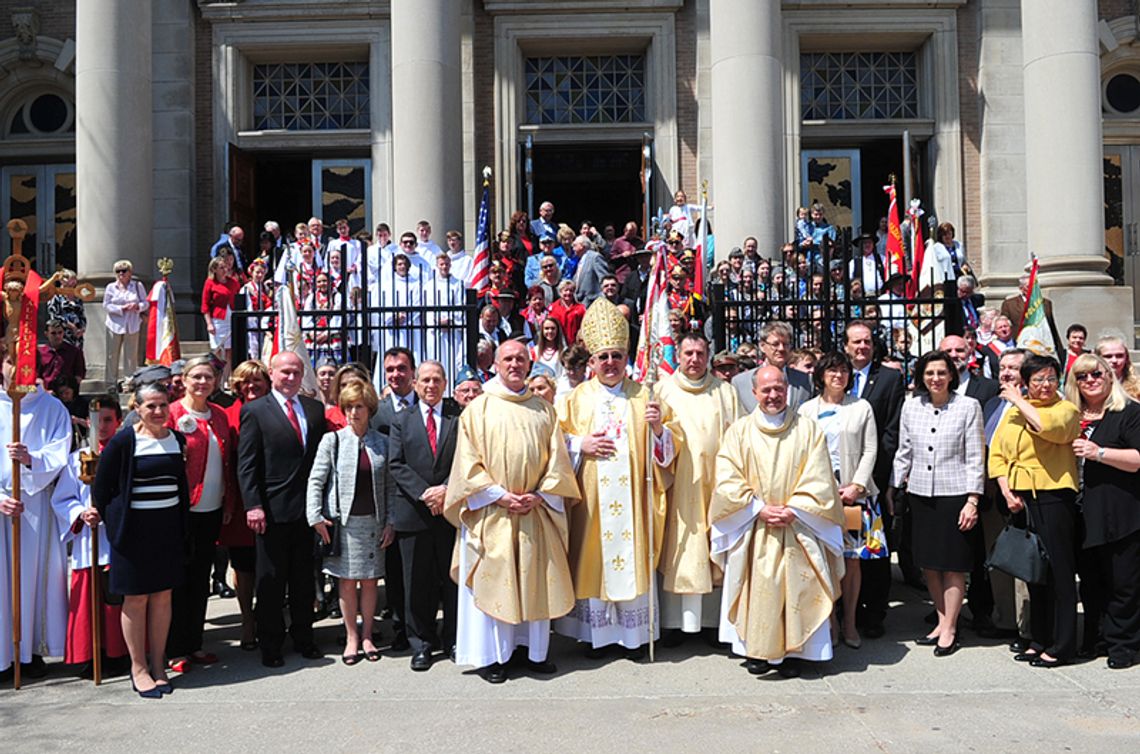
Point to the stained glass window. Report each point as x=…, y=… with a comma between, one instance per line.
x=585, y=89
x=310, y=96
x=858, y=85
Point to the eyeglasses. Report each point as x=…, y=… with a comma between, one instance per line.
x=610, y=356
x=407, y=243
x=776, y=344
x=1044, y=381
x=1095, y=374
x=121, y=272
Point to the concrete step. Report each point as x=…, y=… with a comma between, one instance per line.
x=96, y=385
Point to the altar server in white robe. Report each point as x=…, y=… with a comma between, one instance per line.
x=399, y=288
x=43, y=451
x=777, y=532
x=445, y=335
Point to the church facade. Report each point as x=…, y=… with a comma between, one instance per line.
x=141, y=129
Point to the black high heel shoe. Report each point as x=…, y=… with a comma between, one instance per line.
x=940, y=651
x=926, y=641
x=155, y=693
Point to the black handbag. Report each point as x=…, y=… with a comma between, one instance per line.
x=1021, y=554
x=332, y=549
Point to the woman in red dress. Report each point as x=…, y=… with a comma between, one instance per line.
x=249, y=382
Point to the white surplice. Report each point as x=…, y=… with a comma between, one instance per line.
x=46, y=430
x=480, y=639
x=445, y=336
x=68, y=500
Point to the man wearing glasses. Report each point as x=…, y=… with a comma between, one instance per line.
x=775, y=345
x=604, y=420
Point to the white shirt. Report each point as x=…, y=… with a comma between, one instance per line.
x=408, y=400
x=281, y=401
x=115, y=297
x=213, y=485
x=869, y=273
x=963, y=381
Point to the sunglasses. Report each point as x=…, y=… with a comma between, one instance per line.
x=1096, y=374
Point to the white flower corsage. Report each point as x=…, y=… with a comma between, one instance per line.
x=187, y=424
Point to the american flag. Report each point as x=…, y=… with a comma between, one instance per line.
x=480, y=274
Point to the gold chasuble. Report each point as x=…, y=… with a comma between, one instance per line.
x=608, y=528
x=704, y=409
x=517, y=567
x=780, y=583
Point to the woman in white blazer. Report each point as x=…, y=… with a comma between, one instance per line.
x=347, y=486
x=852, y=441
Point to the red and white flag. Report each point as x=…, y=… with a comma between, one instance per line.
x=917, y=248
x=287, y=336
x=655, y=346
x=162, y=345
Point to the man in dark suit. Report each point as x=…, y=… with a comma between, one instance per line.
x=276, y=448
x=421, y=445
x=1014, y=308
x=775, y=343
x=399, y=370
x=883, y=388
x=979, y=595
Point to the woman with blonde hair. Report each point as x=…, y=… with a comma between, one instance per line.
x=1114, y=350
x=347, y=500
x=1108, y=449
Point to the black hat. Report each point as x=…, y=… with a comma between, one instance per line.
x=895, y=277
x=858, y=240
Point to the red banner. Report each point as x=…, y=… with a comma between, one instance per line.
x=895, y=261
x=26, y=345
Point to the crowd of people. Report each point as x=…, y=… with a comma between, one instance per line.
x=758, y=493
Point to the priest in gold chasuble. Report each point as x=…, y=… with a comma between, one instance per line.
x=604, y=420
x=510, y=486
x=704, y=407
x=777, y=532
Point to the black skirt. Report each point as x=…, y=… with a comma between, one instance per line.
x=937, y=542
x=153, y=556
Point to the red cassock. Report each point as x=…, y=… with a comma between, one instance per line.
x=78, y=647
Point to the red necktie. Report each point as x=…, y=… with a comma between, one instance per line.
x=431, y=429
x=292, y=413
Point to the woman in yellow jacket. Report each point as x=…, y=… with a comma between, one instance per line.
x=1031, y=457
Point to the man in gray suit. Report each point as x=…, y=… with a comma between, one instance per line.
x=592, y=267
x=775, y=344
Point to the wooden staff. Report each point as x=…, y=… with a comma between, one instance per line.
x=16, y=396
x=96, y=610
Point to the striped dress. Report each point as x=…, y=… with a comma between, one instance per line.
x=152, y=557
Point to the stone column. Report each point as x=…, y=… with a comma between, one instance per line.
x=113, y=149
x=1002, y=252
x=427, y=101
x=747, y=74
x=1063, y=163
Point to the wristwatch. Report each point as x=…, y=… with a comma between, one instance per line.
x=1100, y=454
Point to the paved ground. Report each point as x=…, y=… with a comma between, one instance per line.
x=888, y=696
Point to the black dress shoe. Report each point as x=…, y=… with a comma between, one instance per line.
x=273, y=661
x=1120, y=663
x=495, y=673
x=636, y=655
x=757, y=667
x=421, y=660
x=596, y=653
x=312, y=652
x=451, y=653
x=1041, y=662
x=940, y=651
x=674, y=637
x=1026, y=656
x=874, y=631
x=37, y=668
x=926, y=641
x=545, y=667
x=400, y=643
x=223, y=590
x=789, y=668
x=1017, y=646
